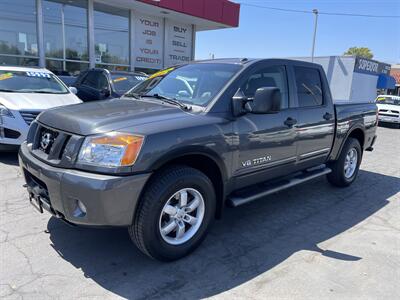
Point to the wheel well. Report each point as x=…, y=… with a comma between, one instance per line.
x=358, y=134
x=209, y=167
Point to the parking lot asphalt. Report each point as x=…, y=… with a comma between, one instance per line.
x=312, y=241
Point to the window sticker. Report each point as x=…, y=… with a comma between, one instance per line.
x=38, y=74
x=141, y=78
x=161, y=73
x=6, y=76
x=120, y=79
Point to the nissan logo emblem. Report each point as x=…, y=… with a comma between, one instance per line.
x=46, y=140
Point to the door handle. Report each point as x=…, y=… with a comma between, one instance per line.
x=327, y=116
x=290, y=122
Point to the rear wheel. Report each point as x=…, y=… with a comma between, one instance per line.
x=345, y=169
x=174, y=213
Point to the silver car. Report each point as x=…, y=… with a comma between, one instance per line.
x=24, y=94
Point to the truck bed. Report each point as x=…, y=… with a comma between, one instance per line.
x=351, y=116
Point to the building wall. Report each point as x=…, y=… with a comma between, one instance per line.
x=339, y=72
x=351, y=78
x=363, y=88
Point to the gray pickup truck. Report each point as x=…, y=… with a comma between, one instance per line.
x=166, y=158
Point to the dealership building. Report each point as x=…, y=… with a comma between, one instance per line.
x=68, y=36
x=353, y=78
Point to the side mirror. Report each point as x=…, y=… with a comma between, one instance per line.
x=239, y=101
x=266, y=100
x=73, y=90
x=105, y=92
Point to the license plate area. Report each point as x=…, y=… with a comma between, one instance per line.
x=38, y=193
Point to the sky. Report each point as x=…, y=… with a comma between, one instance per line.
x=264, y=33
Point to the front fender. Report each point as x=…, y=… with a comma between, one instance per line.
x=189, y=151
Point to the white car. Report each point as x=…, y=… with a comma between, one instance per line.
x=24, y=94
x=388, y=109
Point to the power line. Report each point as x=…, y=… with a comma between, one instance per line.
x=320, y=12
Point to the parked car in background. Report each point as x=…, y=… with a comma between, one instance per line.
x=68, y=80
x=101, y=84
x=24, y=94
x=166, y=158
x=388, y=109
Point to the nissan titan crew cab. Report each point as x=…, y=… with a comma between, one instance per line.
x=166, y=158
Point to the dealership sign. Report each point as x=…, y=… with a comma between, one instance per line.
x=160, y=43
x=178, y=47
x=369, y=66
x=149, y=37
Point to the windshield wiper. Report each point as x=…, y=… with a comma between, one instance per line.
x=42, y=92
x=132, y=95
x=168, y=100
x=7, y=91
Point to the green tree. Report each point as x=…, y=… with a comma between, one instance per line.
x=360, y=51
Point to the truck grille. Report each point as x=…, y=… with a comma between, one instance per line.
x=47, y=143
x=29, y=116
x=389, y=111
x=388, y=115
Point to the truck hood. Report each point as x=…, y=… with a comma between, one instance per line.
x=388, y=107
x=31, y=101
x=110, y=115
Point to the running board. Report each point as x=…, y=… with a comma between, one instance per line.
x=262, y=190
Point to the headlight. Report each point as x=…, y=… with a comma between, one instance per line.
x=111, y=150
x=5, y=112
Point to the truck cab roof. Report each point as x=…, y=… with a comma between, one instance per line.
x=250, y=61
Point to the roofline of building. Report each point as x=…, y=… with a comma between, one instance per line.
x=223, y=12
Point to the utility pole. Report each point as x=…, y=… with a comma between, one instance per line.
x=315, y=12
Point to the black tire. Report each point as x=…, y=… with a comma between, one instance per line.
x=145, y=231
x=337, y=177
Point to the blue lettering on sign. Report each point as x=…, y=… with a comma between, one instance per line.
x=38, y=74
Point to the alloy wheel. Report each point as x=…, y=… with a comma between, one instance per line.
x=182, y=216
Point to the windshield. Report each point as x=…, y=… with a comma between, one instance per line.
x=195, y=84
x=388, y=100
x=30, y=82
x=124, y=82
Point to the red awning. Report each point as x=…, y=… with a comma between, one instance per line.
x=221, y=11
x=396, y=74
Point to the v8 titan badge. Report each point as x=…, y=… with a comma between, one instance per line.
x=256, y=161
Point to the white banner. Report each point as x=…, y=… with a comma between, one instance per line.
x=178, y=47
x=149, y=38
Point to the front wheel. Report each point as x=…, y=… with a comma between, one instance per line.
x=174, y=213
x=345, y=169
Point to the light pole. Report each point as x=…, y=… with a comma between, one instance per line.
x=315, y=12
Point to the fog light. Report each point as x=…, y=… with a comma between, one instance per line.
x=80, y=209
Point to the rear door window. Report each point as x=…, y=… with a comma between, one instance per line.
x=309, y=87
